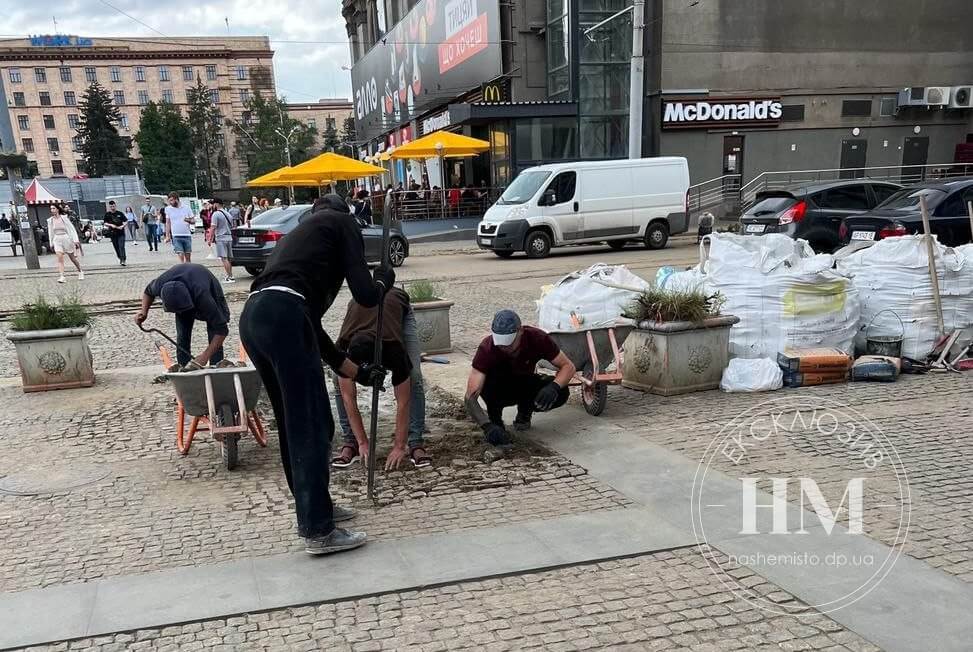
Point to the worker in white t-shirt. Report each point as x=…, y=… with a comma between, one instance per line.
x=179, y=219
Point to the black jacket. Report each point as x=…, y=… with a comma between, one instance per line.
x=208, y=299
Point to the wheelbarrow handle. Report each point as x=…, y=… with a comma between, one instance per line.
x=172, y=341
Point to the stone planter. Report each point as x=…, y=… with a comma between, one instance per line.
x=432, y=322
x=670, y=358
x=53, y=359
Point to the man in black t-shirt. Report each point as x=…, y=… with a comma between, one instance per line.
x=504, y=374
x=115, y=222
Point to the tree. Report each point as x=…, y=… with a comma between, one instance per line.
x=165, y=144
x=206, y=130
x=103, y=149
x=330, y=141
x=263, y=137
x=348, y=137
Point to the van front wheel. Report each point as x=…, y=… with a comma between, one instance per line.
x=656, y=235
x=537, y=244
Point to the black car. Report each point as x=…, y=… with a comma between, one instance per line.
x=814, y=211
x=900, y=214
x=253, y=245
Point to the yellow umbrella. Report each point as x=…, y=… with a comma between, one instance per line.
x=331, y=167
x=272, y=179
x=441, y=143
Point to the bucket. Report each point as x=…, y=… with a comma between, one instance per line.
x=884, y=345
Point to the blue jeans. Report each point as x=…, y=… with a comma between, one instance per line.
x=152, y=235
x=417, y=403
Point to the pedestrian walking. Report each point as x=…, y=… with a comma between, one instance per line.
x=222, y=237
x=65, y=239
x=116, y=222
x=235, y=215
x=205, y=215
x=152, y=229
x=131, y=225
x=281, y=330
x=179, y=219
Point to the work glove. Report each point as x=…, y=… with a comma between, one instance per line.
x=384, y=275
x=495, y=434
x=370, y=375
x=547, y=397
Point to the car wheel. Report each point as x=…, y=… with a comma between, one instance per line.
x=656, y=235
x=396, y=252
x=537, y=245
x=503, y=254
x=253, y=271
x=617, y=245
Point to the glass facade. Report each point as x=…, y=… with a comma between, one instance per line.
x=604, y=64
x=542, y=140
x=559, y=49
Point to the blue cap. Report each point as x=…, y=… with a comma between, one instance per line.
x=506, y=324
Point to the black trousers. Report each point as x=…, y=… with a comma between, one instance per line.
x=118, y=242
x=184, y=337
x=277, y=332
x=502, y=390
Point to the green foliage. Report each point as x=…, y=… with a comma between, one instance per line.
x=675, y=305
x=103, y=149
x=41, y=315
x=205, y=124
x=423, y=292
x=330, y=141
x=261, y=140
x=165, y=143
x=348, y=136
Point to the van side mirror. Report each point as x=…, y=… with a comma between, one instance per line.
x=549, y=198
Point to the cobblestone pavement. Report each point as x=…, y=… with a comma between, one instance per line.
x=662, y=601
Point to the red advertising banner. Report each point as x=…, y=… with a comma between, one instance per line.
x=462, y=45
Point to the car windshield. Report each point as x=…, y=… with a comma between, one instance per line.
x=769, y=206
x=909, y=198
x=524, y=187
x=278, y=216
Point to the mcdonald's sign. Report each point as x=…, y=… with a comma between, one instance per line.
x=494, y=92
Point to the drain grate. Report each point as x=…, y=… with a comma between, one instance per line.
x=51, y=479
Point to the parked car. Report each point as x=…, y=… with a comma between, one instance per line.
x=616, y=202
x=900, y=214
x=253, y=245
x=814, y=211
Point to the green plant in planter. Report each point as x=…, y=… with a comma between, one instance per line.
x=42, y=316
x=675, y=305
x=423, y=292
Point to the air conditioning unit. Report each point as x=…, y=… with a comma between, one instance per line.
x=961, y=97
x=924, y=96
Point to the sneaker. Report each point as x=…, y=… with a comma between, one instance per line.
x=343, y=514
x=229, y=279
x=122, y=263
x=80, y=276
x=60, y=280
x=522, y=423
x=338, y=540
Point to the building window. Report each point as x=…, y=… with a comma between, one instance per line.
x=90, y=74
x=23, y=122
x=214, y=96
x=856, y=108
x=167, y=95
x=70, y=99
x=45, y=98
x=123, y=121
x=887, y=106
x=19, y=99
x=187, y=73
x=546, y=139
x=211, y=73
x=65, y=74
x=312, y=123
x=57, y=167
x=73, y=121
x=14, y=75
x=792, y=113
x=241, y=72
x=76, y=144
x=53, y=145
x=248, y=118
x=163, y=73
x=40, y=75
x=82, y=168
x=244, y=95
x=49, y=122
x=119, y=97
x=558, y=50
x=116, y=73
x=329, y=123
x=603, y=82
x=28, y=144
x=140, y=73
x=220, y=139
x=143, y=98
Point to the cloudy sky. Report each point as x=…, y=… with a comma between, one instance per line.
x=308, y=36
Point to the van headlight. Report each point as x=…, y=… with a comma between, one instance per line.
x=517, y=213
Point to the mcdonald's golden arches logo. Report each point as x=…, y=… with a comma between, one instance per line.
x=493, y=92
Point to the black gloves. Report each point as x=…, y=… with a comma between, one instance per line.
x=370, y=375
x=384, y=275
x=495, y=434
x=547, y=397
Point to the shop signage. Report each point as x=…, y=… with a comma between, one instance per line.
x=683, y=113
x=60, y=41
x=493, y=92
x=435, y=122
x=438, y=52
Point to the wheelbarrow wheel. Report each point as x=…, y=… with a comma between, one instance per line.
x=595, y=398
x=228, y=442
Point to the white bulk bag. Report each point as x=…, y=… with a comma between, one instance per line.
x=597, y=296
x=756, y=375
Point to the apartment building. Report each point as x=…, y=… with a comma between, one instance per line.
x=326, y=112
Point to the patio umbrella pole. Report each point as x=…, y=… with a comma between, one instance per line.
x=387, y=214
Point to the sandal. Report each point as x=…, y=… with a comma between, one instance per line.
x=347, y=457
x=420, y=459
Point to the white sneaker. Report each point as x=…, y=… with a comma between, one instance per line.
x=229, y=279
x=61, y=280
x=80, y=276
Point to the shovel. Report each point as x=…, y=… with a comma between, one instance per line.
x=387, y=214
x=172, y=341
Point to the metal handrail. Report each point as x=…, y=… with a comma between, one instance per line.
x=713, y=192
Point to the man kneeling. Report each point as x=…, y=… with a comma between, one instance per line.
x=504, y=374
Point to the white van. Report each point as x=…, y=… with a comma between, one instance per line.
x=616, y=201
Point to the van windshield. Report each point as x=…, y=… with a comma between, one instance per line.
x=524, y=187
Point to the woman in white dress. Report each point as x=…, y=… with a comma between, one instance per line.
x=65, y=239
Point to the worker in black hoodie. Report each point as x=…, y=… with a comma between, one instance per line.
x=281, y=329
